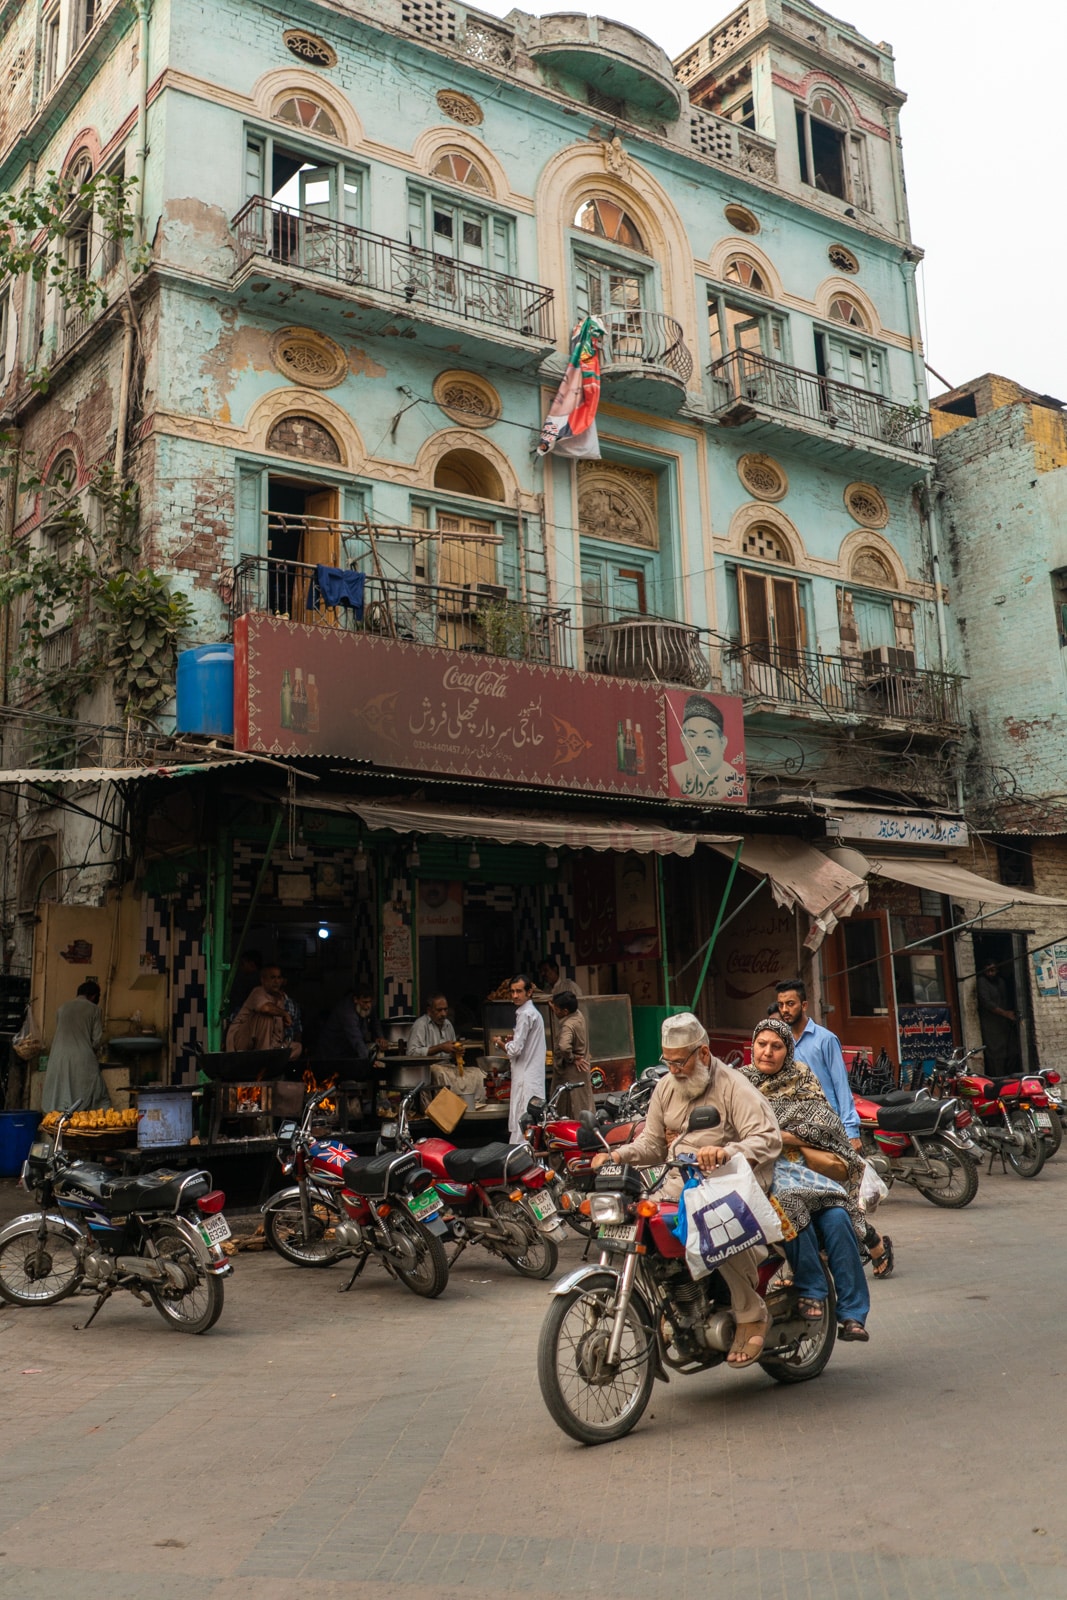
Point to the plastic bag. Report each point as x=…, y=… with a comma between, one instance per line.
x=27, y=1043
x=872, y=1190
x=725, y=1212
x=791, y=1175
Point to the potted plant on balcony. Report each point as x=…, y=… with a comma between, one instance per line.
x=505, y=629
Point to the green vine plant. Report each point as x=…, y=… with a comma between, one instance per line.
x=37, y=224
x=126, y=622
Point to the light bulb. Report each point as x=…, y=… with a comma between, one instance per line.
x=359, y=860
x=413, y=855
x=474, y=860
x=324, y=932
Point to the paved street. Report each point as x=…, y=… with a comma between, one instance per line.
x=374, y=1447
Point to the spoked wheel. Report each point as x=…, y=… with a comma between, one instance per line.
x=310, y=1245
x=421, y=1263
x=38, y=1266
x=585, y=1397
x=1053, y=1135
x=539, y=1257
x=812, y=1351
x=1029, y=1160
x=952, y=1181
x=191, y=1300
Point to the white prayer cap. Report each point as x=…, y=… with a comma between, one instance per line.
x=682, y=1032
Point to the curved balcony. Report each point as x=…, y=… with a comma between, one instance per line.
x=645, y=359
x=613, y=61
x=650, y=649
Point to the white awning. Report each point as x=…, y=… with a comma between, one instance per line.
x=943, y=877
x=799, y=874
x=522, y=827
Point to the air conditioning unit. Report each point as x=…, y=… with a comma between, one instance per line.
x=886, y=661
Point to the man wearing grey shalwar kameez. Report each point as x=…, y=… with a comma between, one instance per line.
x=73, y=1073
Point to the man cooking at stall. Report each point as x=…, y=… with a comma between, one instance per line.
x=434, y=1036
x=526, y=1051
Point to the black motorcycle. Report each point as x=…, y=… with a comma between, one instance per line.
x=158, y=1235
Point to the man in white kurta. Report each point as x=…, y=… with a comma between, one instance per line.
x=526, y=1051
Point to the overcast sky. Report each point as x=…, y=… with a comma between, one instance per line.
x=985, y=155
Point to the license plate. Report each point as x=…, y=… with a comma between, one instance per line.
x=215, y=1229
x=543, y=1206
x=1043, y=1119
x=652, y=1176
x=618, y=1235
x=423, y=1205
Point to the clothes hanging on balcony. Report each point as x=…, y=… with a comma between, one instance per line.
x=570, y=427
x=334, y=586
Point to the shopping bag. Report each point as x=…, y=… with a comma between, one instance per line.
x=446, y=1109
x=27, y=1043
x=726, y=1212
x=872, y=1190
x=792, y=1175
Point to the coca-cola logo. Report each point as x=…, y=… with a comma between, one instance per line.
x=493, y=684
x=764, y=962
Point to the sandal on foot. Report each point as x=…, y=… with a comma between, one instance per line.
x=853, y=1331
x=811, y=1310
x=883, y=1264
x=749, y=1348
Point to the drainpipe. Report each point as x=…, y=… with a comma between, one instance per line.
x=144, y=13
x=8, y=535
x=907, y=272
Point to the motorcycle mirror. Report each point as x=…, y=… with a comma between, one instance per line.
x=587, y=1119
x=702, y=1118
x=589, y=1138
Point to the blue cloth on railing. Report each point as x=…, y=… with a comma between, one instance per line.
x=336, y=587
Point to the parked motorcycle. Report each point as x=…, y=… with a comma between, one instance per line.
x=556, y=1140
x=1011, y=1115
x=343, y=1205
x=497, y=1196
x=158, y=1235
x=1053, y=1135
x=615, y=1327
x=910, y=1138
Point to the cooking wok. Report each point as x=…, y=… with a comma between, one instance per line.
x=245, y=1066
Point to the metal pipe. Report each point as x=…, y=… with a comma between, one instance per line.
x=10, y=505
x=718, y=921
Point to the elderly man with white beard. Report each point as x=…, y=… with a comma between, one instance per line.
x=748, y=1128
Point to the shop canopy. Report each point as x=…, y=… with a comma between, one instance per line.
x=798, y=874
x=943, y=877
x=525, y=827
x=83, y=776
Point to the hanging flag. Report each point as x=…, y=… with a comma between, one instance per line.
x=570, y=427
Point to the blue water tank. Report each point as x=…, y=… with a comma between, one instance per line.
x=205, y=690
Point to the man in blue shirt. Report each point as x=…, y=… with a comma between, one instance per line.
x=819, y=1049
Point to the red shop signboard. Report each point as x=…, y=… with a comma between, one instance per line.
x=302, y=690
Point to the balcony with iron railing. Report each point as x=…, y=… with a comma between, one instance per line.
x=477, y=618
x=763, y=397
x=645, y=360
x=813, y=684
x=376, y=274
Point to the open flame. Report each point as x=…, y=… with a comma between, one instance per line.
x=312, y=1084
x=249, y=1097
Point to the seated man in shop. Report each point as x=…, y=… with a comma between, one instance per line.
x=343, y=1037
x=265, y=1021
x=434, y=1036
x=553, y=982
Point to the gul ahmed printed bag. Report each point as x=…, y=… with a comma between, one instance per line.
x=724, y=1212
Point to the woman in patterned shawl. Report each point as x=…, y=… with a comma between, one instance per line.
x=826, y=1218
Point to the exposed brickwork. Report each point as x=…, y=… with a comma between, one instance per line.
x=303, y=436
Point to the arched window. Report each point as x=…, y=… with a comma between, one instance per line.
x=466, y=472
x=80, y=171
x=62, y=478
x=300, y=111
x=825, y=106
x=832, y=154
x=766, y=544
x=842, y=309
x=455, y=167
x=607, y=220
x=740, y=270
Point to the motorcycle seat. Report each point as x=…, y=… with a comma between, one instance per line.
x=148, y=1191
x=917, y=1116
x=478, y=1166
x=370, y=1174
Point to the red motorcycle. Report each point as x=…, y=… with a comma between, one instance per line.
x=498, y=1196
x=555, y=1140
x=612, y=1329
x=909, y=1138
x=1012, y=1117
x=341, y=1204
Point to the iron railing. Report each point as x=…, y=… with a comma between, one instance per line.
x=752, y=378
x=647, y=339
x=404, y=273
x=806, y=680
x=479, y=618
x=650, y=649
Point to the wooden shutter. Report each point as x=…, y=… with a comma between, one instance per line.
x=787, y=626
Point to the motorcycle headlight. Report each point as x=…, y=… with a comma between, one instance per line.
x=606, y=1208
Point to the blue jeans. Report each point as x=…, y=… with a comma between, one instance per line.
x=830, y=1230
